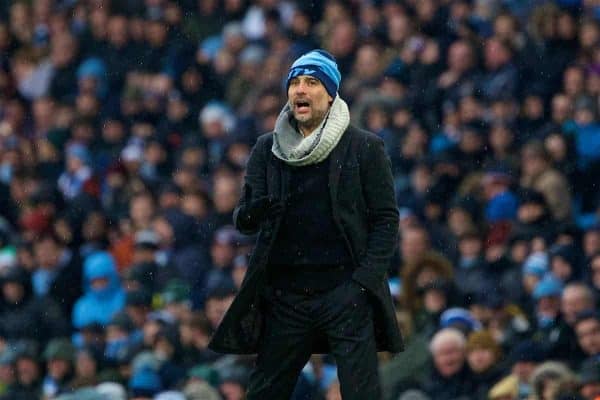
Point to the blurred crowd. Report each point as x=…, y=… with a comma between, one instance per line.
x=125, y=127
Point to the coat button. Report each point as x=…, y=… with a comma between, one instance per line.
x=278, y=292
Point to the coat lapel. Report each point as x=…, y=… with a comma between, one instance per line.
x=336, y=163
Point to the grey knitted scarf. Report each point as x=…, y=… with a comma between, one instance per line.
x=293, y=148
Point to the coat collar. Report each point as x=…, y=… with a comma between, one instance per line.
x=336, y=163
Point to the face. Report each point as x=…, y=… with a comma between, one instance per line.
x=591, y=243
x=548, y=306
x=595, y=271
x=12, y=291
x=523, y=370
x=215, y=309
x=27, y=371
x=449, y=358
x=99, y=283
x=591, y=390
x=588, y=336
x=480, y=359
x=573, y=302
x=434, y=301
x=309, y=101
x=58, y=368
x=46, y=253
x=413, y=243
x=561, y=268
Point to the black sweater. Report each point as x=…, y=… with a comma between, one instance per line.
x=308, y=234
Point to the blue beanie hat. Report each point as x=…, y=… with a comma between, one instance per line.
x=319, y=64
x=459, y=316
x=536, y=264
x=547, y=287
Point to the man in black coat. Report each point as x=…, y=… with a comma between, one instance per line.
x=320, y=194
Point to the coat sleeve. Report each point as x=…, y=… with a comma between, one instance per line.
x=382, y=213
x=256, y=178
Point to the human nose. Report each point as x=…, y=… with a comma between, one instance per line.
x=300, y=87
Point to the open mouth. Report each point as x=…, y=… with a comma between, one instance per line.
x=302, y=106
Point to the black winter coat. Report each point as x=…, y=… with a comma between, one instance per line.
x=364, y=210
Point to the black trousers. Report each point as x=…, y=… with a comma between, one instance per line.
x=294, y=320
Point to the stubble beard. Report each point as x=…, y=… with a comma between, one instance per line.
x=308, y=123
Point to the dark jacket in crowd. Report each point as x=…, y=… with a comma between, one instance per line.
x=31, y=317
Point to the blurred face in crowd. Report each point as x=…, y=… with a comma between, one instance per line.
x=63, y=49
x=590, y=390
x=13, y=292
x=117, y=31
x=164, y=230
x=459, y=221
x=232, y=390
x=98, y=284
x=226, y=192
x=367, y=64
x=595, y=271
x=28, y=371
x=496, y=54
x=561, y=108
x=215, y=309
x=43, y=112
x=589, y=34
x=561, y=268
x=141, y=210
x=523, y=370
x=460, y=57
x=309, y=102
x=588, y=336
x=221, y=253
x=413, y=243
x=548, y=306
x=556, y=146
x=471, y=141
x=532, y=163
x=529, y=212
x=501, y=139
x=591, y=242
x=7, y=374
x=448, y=357
x=480, y=360
x=58, y=368
x=470, y=246
x=575, y=299
x=47, y=253
x=434, y=300
x=195, y=205
x=573, y=81
x=156, y=33
x=85, y=365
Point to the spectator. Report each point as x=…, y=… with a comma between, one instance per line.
x=539, y=175
x=590, y=379
x=483, y=354
x=450, y=377
x=25, y=316
x=587, y=329
x=59, y=367
x=58, y=274
x=103, y=296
